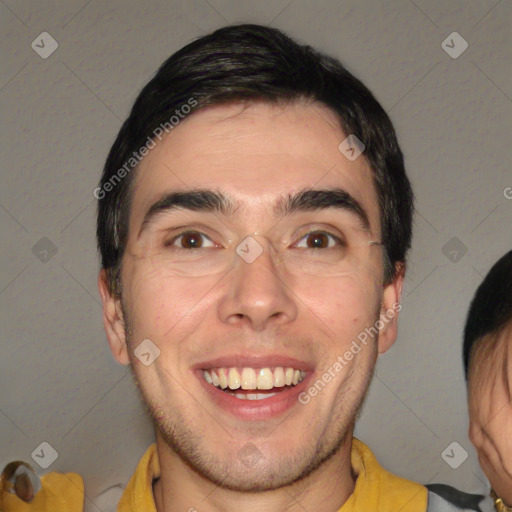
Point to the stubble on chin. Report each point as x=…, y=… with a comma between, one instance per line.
x=239, y=474
x=187, y=444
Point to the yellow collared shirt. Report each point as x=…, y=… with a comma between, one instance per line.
x=376, y=489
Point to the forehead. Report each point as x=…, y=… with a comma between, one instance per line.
x=255, y=154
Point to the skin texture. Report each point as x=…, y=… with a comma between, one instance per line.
x=255, y=153
x=490, y=409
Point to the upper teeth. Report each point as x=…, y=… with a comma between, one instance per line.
x=250, y=378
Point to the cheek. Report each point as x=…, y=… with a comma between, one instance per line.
x=162, y=305
x=342, y=305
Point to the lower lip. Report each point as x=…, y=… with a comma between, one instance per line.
x=264, y=409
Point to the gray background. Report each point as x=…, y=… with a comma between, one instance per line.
x=58, y=381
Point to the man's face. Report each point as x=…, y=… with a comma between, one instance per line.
x=217, y=314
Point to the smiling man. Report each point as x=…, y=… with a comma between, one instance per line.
x=254, y=219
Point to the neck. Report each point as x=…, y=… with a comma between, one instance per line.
x=324, y=490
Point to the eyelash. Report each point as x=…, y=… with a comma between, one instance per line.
x=314, y=232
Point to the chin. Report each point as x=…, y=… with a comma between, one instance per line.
x=244, y=479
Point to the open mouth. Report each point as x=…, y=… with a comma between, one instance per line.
x=254, y=383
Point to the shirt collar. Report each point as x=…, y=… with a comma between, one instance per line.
x=375, y=489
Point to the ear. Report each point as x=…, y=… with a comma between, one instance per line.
x=113, y=320
x=390, y=308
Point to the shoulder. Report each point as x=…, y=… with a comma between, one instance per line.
x=444, y=498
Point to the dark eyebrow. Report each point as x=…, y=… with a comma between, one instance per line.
x=213, y=201
x=315, y=199
x=196, y=200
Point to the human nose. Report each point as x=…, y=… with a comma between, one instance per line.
x=257, y=294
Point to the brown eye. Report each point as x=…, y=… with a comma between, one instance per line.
x=191, y=241
x=318, y=240
x=188, y=240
